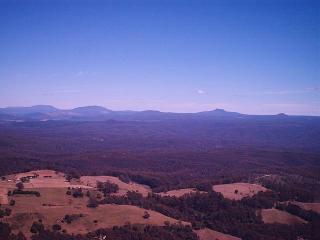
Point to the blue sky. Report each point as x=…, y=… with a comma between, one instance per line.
x=259, y=57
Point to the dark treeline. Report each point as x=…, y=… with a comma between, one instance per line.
x=211, y=210
x=127, y=232
x=309, y=216
x=164, y=171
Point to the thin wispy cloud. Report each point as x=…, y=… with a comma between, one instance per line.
x=315, y=89
x=284, y=92
x=81, y=73
x=64, y=91
x=287, y=92
x=200, y=91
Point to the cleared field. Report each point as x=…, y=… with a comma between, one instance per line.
x=41, y=174
x=276, y=216
x=237, y=191
x=178, y=192
x=208, y=234
x=3, y=196
x=123, y=187
x=308, y=206
x=54, y=204
x=39, y=179
x=8, y=183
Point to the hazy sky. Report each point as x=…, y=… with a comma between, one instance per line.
x=258, y=56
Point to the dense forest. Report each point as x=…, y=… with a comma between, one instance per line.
x=166, y=155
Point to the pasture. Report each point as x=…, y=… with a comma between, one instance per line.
x=208, y=234
x=237, y=191
x=273, y=215
x=308, y=206
x=178, y=192
x=53, y=204
x=91, y=181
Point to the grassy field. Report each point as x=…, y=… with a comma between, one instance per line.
x=54, y=204
x=40, y=179
x=308, y=206
x=178, y=192
x=123, y=187
x=237, y=191
x=276, y=216
x=208, y=234
x=3, y=196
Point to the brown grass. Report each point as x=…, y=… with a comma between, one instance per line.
x=208, y=234
x=54, y=204
x=123, y=187
x=41, y=173
x=243, y=190
x=179, y=192
x=46, y=179
x=3, y=196
x=276, y=216
x=308, y=206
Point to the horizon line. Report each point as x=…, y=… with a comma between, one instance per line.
x=145, y=110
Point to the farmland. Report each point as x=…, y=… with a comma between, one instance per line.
x=178, y=192
x=53, y=204
x=276, y=216
x=208, y=234
x=237, y=191
x=308, y=206
x=91, y=181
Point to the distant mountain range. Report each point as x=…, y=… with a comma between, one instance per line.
x=98, y=113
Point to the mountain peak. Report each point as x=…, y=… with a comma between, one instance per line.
x=219, y=110
x=32, y=109
x=91, y=110
x=282, y=115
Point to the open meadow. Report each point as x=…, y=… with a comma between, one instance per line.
x=237, y=191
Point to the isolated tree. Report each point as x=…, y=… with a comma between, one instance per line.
x=77, y=193
x=19, y=186
x=93, y=202
x=146, y=215
x=67, y=218
x=56, y=227
x=12, y=202
x=8, y=211
x=36, y=227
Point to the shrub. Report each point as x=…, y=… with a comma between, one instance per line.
x=146, y=215
x=56, y=227
x=12, y=202
x=20, y=186
x=107, y=187
x=8, y=211
x=93, y=203
x=36, y=227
